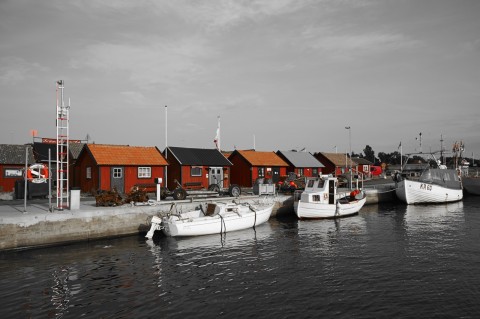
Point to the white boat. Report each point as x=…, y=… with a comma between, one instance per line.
x=218, y=218
x=433, y=185
x=321, y=200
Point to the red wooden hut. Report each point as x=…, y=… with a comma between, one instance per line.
x=12, y=164
x=197, y=168
x=248, y=165
x=103, y=167
x=335, y=163
x=365, y=167
x=41, y=150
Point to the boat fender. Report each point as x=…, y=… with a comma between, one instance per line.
x=397, y=177
x=354, y=193
x=325, y=196
x=360, y=195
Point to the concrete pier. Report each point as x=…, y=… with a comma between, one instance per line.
x=39, y=227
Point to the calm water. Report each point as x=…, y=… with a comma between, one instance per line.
x=390, y=261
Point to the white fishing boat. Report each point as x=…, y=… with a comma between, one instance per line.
x=218, y=218
x=321, y=200
x=436, y=184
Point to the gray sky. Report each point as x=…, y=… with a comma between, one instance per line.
x=290, y=73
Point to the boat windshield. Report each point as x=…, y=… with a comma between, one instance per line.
x=310, y=183
x=321, y=183
x=439, y=175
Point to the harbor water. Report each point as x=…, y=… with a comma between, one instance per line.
x=389, y=261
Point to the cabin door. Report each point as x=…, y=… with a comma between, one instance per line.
x=215, y=176
x=331, y=192
x=117, y=179
x=275, y=174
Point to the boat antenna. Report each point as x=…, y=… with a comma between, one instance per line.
x=441, y=149
x=420, y=139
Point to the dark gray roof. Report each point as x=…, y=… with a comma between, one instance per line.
x=41, y=151
x=301, y=159
x=361, y=161
x=15, y=154
x=75, y=149
x=199, y=156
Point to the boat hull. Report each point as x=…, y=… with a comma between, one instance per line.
x=416, y=192
x=311, y=210
x=222, y=223
x=471, y=185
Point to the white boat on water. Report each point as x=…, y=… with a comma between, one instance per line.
x=321, y=200
x=433, y=185
x=218, y=218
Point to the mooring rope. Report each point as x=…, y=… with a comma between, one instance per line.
x=255, y=211
x=223, y=227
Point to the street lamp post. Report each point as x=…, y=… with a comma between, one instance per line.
x=350, y=149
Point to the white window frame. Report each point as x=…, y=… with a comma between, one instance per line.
x=117, y=172
x=144, y=172
x=261, y=171
x=88, y=172
x=192, y=171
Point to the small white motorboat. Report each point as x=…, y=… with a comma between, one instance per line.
x=218, y=218
x=321, y=200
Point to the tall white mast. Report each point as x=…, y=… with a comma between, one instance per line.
x=62, y=148
x=166, y=146
x=219, y=139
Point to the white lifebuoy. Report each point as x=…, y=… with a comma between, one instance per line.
x=38, y=173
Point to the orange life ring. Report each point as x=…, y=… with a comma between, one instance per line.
x=37, y=171
x=354, y=193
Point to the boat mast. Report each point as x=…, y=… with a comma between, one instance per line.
x=441, y=149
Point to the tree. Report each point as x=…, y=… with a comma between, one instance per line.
x=369, y=153
x=357, y=155
x=389, y=158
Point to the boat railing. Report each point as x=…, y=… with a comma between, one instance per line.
x=471, y=172
x=356, y=180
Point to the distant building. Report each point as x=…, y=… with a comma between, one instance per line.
x=301, y=163
x=335, y=163
x=364, y=166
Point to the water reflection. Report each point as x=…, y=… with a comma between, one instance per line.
x=226, y=240
x=60, y=291
x=201, y=263
x=439, y=217
x=390, y=261
x=322, y=236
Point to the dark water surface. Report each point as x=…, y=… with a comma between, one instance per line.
x=390, y=261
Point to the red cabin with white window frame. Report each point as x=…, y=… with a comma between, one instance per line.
x=104, y=167
x=248, y=165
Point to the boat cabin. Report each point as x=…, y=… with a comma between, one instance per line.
x=321, y=189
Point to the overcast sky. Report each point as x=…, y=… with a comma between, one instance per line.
x=281, y=74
